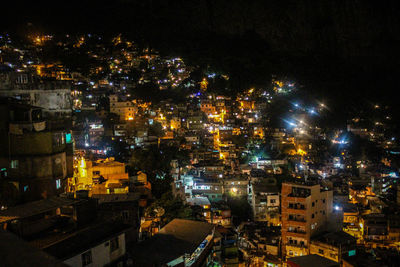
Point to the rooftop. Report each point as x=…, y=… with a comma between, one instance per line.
x=311, y=260
x=35, y=207
x=16, y=252
x=185, y=235
x=336, y=238
x=87, y=238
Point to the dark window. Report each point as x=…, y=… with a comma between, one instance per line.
x=87, y=258
x=323, y=201
x=313, y=204
x=312, y=215
x=125, y=214
x=320, y=251
x=114, y=244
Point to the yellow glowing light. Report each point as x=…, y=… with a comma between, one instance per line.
x=203, y=84
x=301, y=152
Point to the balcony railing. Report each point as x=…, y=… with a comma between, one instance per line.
x=297, y=219
x=297, y=231
x=297, y=207
x=296, y=245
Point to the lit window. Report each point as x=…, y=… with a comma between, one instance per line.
x=58, y=183
x=14, y=164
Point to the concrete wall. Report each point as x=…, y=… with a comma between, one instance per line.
x=56, y=100
x=101, y=254
x=40, y=167
x=36, y=143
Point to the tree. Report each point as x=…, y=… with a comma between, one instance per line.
x=240, y=208
x=156, y=130
x=173, y=208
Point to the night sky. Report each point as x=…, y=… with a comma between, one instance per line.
x=347, y=51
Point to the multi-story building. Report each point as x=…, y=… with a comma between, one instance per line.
x=210, y=188
x=236, y=186
x=36, y=160
x=265, y=203
x=125, y=109
x=375, y=229
x=305, y=209
x=334, y=245
x=54, y=97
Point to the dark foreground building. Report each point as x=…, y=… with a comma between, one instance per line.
x=179, y=243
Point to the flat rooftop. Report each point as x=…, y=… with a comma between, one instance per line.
x=16, y=252
x=35, y=207
x=174, y=240
x=82, y=240
x=311, y=260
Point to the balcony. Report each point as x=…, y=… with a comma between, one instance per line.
x=297, y=231
x=296, y=219
x=296, y=245
x=296, y=207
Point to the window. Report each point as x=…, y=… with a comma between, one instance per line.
x=312, y=215
x=26, y=187
x=320, y=251
x=3, y=173
x=125, y=214
x=313, y=204
x=323, y=201
x=86, y=258
x=14, y=164
x=114, y=244
x=272, y=201
x=58, y=183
